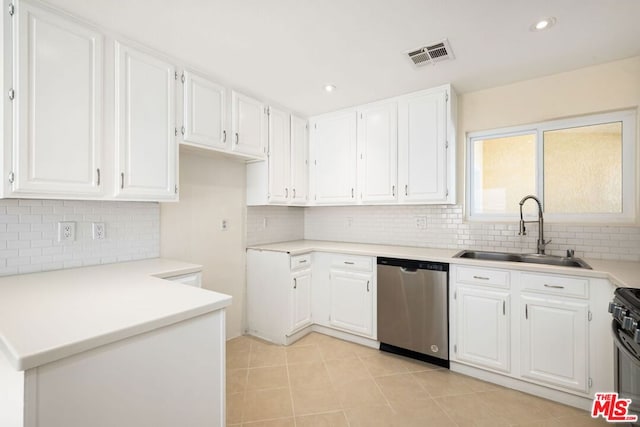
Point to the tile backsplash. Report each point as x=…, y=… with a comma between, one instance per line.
x=439, y=226
x=282, y=224
x=29, y=234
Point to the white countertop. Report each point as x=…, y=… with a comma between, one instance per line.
x=48, y=316
x=620, y=273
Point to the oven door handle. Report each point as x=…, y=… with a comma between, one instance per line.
x=621, y=345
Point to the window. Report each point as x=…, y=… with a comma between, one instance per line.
x=582, y=169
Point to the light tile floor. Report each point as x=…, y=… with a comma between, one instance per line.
x=323, y=381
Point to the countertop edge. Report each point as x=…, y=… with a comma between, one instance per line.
x=298, y=247
x=152, y=268
x=33, y=361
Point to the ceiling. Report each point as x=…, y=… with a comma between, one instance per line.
x=285, y=51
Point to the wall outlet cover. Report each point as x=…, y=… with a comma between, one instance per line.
x=99, y=231
x=66, y=231
x=421, y=222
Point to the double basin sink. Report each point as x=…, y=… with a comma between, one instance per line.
x=526, y=258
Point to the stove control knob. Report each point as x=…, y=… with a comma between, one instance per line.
x=612, y=306
x=629, y=324
x=636, y=336
x=619, y=313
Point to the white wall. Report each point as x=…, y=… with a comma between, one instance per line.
x=29, y=234
x=211, y=189
x=605, y=87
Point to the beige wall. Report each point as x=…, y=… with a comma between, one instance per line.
x=605, y=87
x=211, y=189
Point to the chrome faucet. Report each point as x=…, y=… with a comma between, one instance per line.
x=523, y=230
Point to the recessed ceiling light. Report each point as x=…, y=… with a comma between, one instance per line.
x=543, y=24
x=329, y=88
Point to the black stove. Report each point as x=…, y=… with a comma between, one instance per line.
x=625, y=328
x=625, y=309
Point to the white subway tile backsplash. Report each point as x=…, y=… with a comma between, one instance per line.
x=445, y=228
x=29, y=234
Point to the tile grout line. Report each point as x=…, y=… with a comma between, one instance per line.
x=293, y=409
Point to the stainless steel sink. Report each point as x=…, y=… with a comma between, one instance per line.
x=528, y=258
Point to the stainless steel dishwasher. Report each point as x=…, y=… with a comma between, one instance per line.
x=413, y=310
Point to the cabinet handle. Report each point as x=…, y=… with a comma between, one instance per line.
x=406, y=189
x=349, y=262
x=294, y=193
x=295, y=283
x=302, y=261
x=98, y=178
x=352, y=193
x=504, y=308
x=526, y=311
x=224, y=136
x=367, y=285
x=286, y=193
x=480, y=277
x=553, y=286
x=237, y=138
x=393, y=191
x=122, y=180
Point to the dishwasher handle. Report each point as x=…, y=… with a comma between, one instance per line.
x=408, y=270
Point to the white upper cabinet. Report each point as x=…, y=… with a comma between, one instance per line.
x=57, y=106
x=378, y=152
x=426, y=160
x=299, y=182
x=145, y=126
x=204, y=107
x=279, y=156
x=333, y=148
x=248, y=126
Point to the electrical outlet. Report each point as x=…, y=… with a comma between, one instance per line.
x=224, y=225
x=98, y=231
x=66, y=231
x=421, y=222
x=349, y=221
x=264, y=222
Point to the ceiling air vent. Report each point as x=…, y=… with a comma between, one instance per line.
x=431, y=54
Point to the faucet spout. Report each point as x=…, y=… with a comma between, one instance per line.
x=523, y=231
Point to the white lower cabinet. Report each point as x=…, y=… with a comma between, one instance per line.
x=543, y=341
x=300, y=299
x=352, y=301
x=286, y=294
x=554, y=344
x=278, y=295
x=483, y=334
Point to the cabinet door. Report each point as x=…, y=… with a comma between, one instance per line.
x=334, y=152
x=352, y=301
x=299, y=161
x=422, y=147
x=279, y=152
x=147, y=150
x=378, y=152
x=300, y=301
x=482, y=327
x=554, y=341
x=248, y=125
x=58, y=105
x=204, y=111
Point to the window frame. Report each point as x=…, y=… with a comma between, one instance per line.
x=628, y=214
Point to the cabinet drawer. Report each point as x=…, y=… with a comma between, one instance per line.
x=556, y=285
x=483, y=276
x=300, y=261
x=350, y=262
